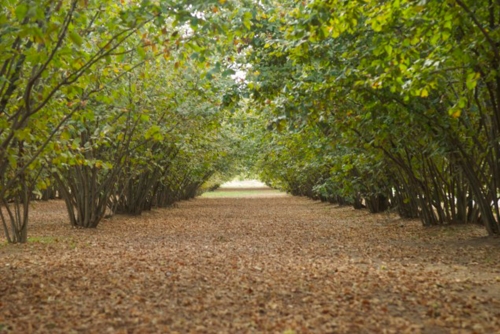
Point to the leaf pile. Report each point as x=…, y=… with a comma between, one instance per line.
x=226, y=265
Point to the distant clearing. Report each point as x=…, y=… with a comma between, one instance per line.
x=244, y=193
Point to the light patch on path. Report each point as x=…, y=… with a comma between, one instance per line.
x=244, y=184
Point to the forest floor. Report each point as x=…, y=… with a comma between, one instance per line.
x=263, y=264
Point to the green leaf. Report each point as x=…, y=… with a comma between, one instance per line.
x=65, y=135
x=228, y=72
x=12, y=160
x=152, y=132
x=472, y=79
x=247, y=20
x=21, y=11
x=141, y=52
x=75, y=38
x=388, y=49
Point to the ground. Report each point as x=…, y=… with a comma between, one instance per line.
x=264, y=264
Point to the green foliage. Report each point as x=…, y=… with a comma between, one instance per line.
x=130, y=105
x=91, y=96
x=391, y=97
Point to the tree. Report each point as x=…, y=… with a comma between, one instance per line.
x=49, y=51
x=59, y=63
x=407, y=86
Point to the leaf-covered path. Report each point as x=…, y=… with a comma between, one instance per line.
x=268, y=265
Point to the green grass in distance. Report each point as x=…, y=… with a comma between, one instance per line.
x=237, y=193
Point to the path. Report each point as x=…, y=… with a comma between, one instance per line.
x=257, y=265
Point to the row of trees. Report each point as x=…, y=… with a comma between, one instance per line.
x=122, y=106
x=392, y=103
x=112, y=106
